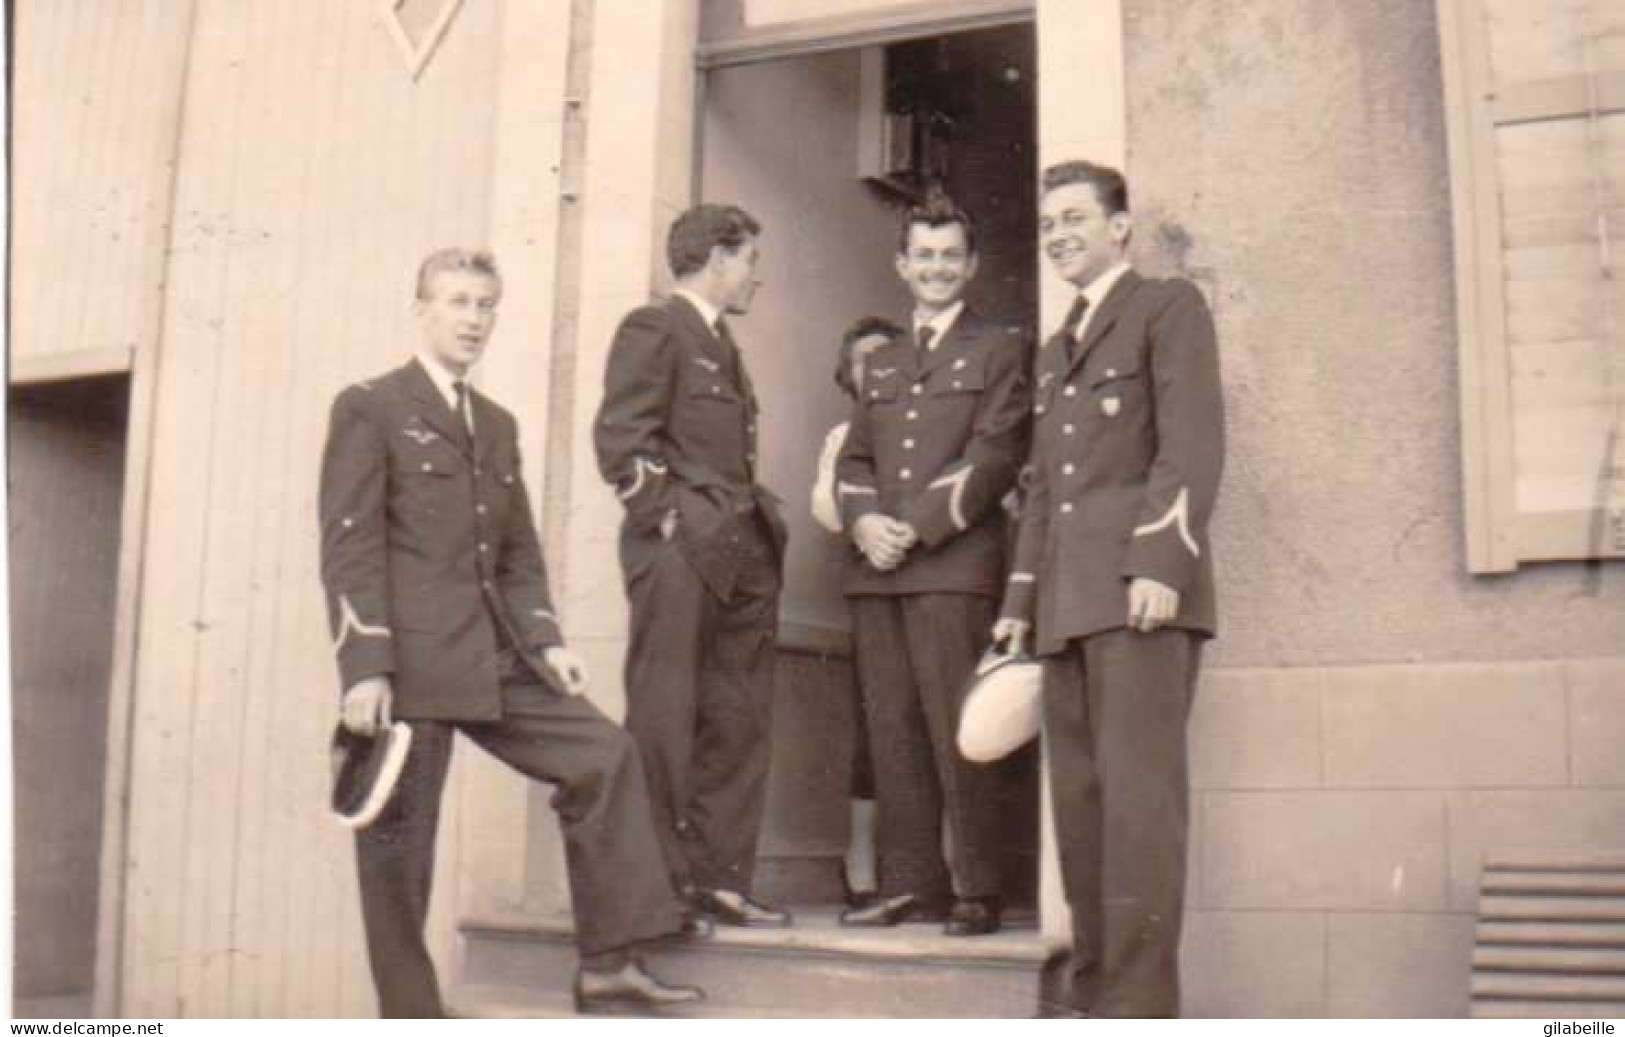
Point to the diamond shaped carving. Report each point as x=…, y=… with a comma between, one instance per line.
x=418, y=41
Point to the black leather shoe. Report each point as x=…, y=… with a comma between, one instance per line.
x=891, y=911
x=856, y=897
x=726, y=907
x=695, y=926
x=630, y=991
x=973, y=916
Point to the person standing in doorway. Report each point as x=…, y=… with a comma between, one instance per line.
x=438, y=600
x=859, y=876
x=1114, y=575
x=701, y=549
x=938, y=434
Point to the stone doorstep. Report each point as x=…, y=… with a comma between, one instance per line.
x=813, y=969
x=815, y=934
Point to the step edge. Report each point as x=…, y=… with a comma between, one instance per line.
x=554, y=929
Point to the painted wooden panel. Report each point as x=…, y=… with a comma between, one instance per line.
x=91, y=171
x=1550, y=38
x=1538, y=146
x=316, y=174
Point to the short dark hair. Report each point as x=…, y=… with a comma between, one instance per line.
x=696, y=232
x=447, y=260
x=861, y=328
x=1110, y=187
x=938, y=210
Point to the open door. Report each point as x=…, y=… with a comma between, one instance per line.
x=827, y=148
x=67, y=451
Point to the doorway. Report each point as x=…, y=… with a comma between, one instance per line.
x=67, y=452
x=828, y=148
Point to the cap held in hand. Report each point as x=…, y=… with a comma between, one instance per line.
x=365, y=770
x=1003, y=706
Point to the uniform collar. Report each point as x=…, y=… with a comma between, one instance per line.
x=708, y=313
x=443, y=379
x=1101, y=286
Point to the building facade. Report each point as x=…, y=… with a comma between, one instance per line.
x=218, y=208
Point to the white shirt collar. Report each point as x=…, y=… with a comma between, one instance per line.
x=443, y=380
x=1097, y=291
x=1100, y=286
x=708, y=312
x=939, y=324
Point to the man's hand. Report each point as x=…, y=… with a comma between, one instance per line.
x=366, y=707
x=1013, y=631
x=884, y=541
x=1150, y=604
x=668, y=525
x=568, y=667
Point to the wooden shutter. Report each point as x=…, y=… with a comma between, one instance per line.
x=1535, y=93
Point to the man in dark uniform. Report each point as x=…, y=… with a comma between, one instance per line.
x=700, y=552
x=1114, y=573
x=937, y=437
x=438, y=600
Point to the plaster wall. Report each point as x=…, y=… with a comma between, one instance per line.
x=1290, y=156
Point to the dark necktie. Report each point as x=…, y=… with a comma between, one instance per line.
x=464, y=419
x=922, y=340
x=731, y=349
x=1074, y=321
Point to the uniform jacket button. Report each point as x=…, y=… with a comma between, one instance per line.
x=1066, y=508
x=1071, y=390
x=905, y=474
x=917, y=389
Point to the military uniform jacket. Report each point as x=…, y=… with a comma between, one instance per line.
x=937, y=441
x=677, y=431
x=1128, y=445
x=426, y=548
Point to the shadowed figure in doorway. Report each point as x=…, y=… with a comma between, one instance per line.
x=859, y=877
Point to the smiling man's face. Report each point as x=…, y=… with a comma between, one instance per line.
x=458, y=316
x=1081, y=240
x=937, y=266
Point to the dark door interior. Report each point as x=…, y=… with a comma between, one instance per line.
x=66, y=463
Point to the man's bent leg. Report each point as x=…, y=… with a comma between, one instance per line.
x=620, y=890
x=395, y=864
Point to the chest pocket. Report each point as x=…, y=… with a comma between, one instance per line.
x=418, y=458
x=712, y=389
x=1115, y=386
x=882, y=390
x=961, y=375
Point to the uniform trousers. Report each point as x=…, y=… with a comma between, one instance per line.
x=618, y=890
x=699, y=691
x=914, y=654
x=1115, y=710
